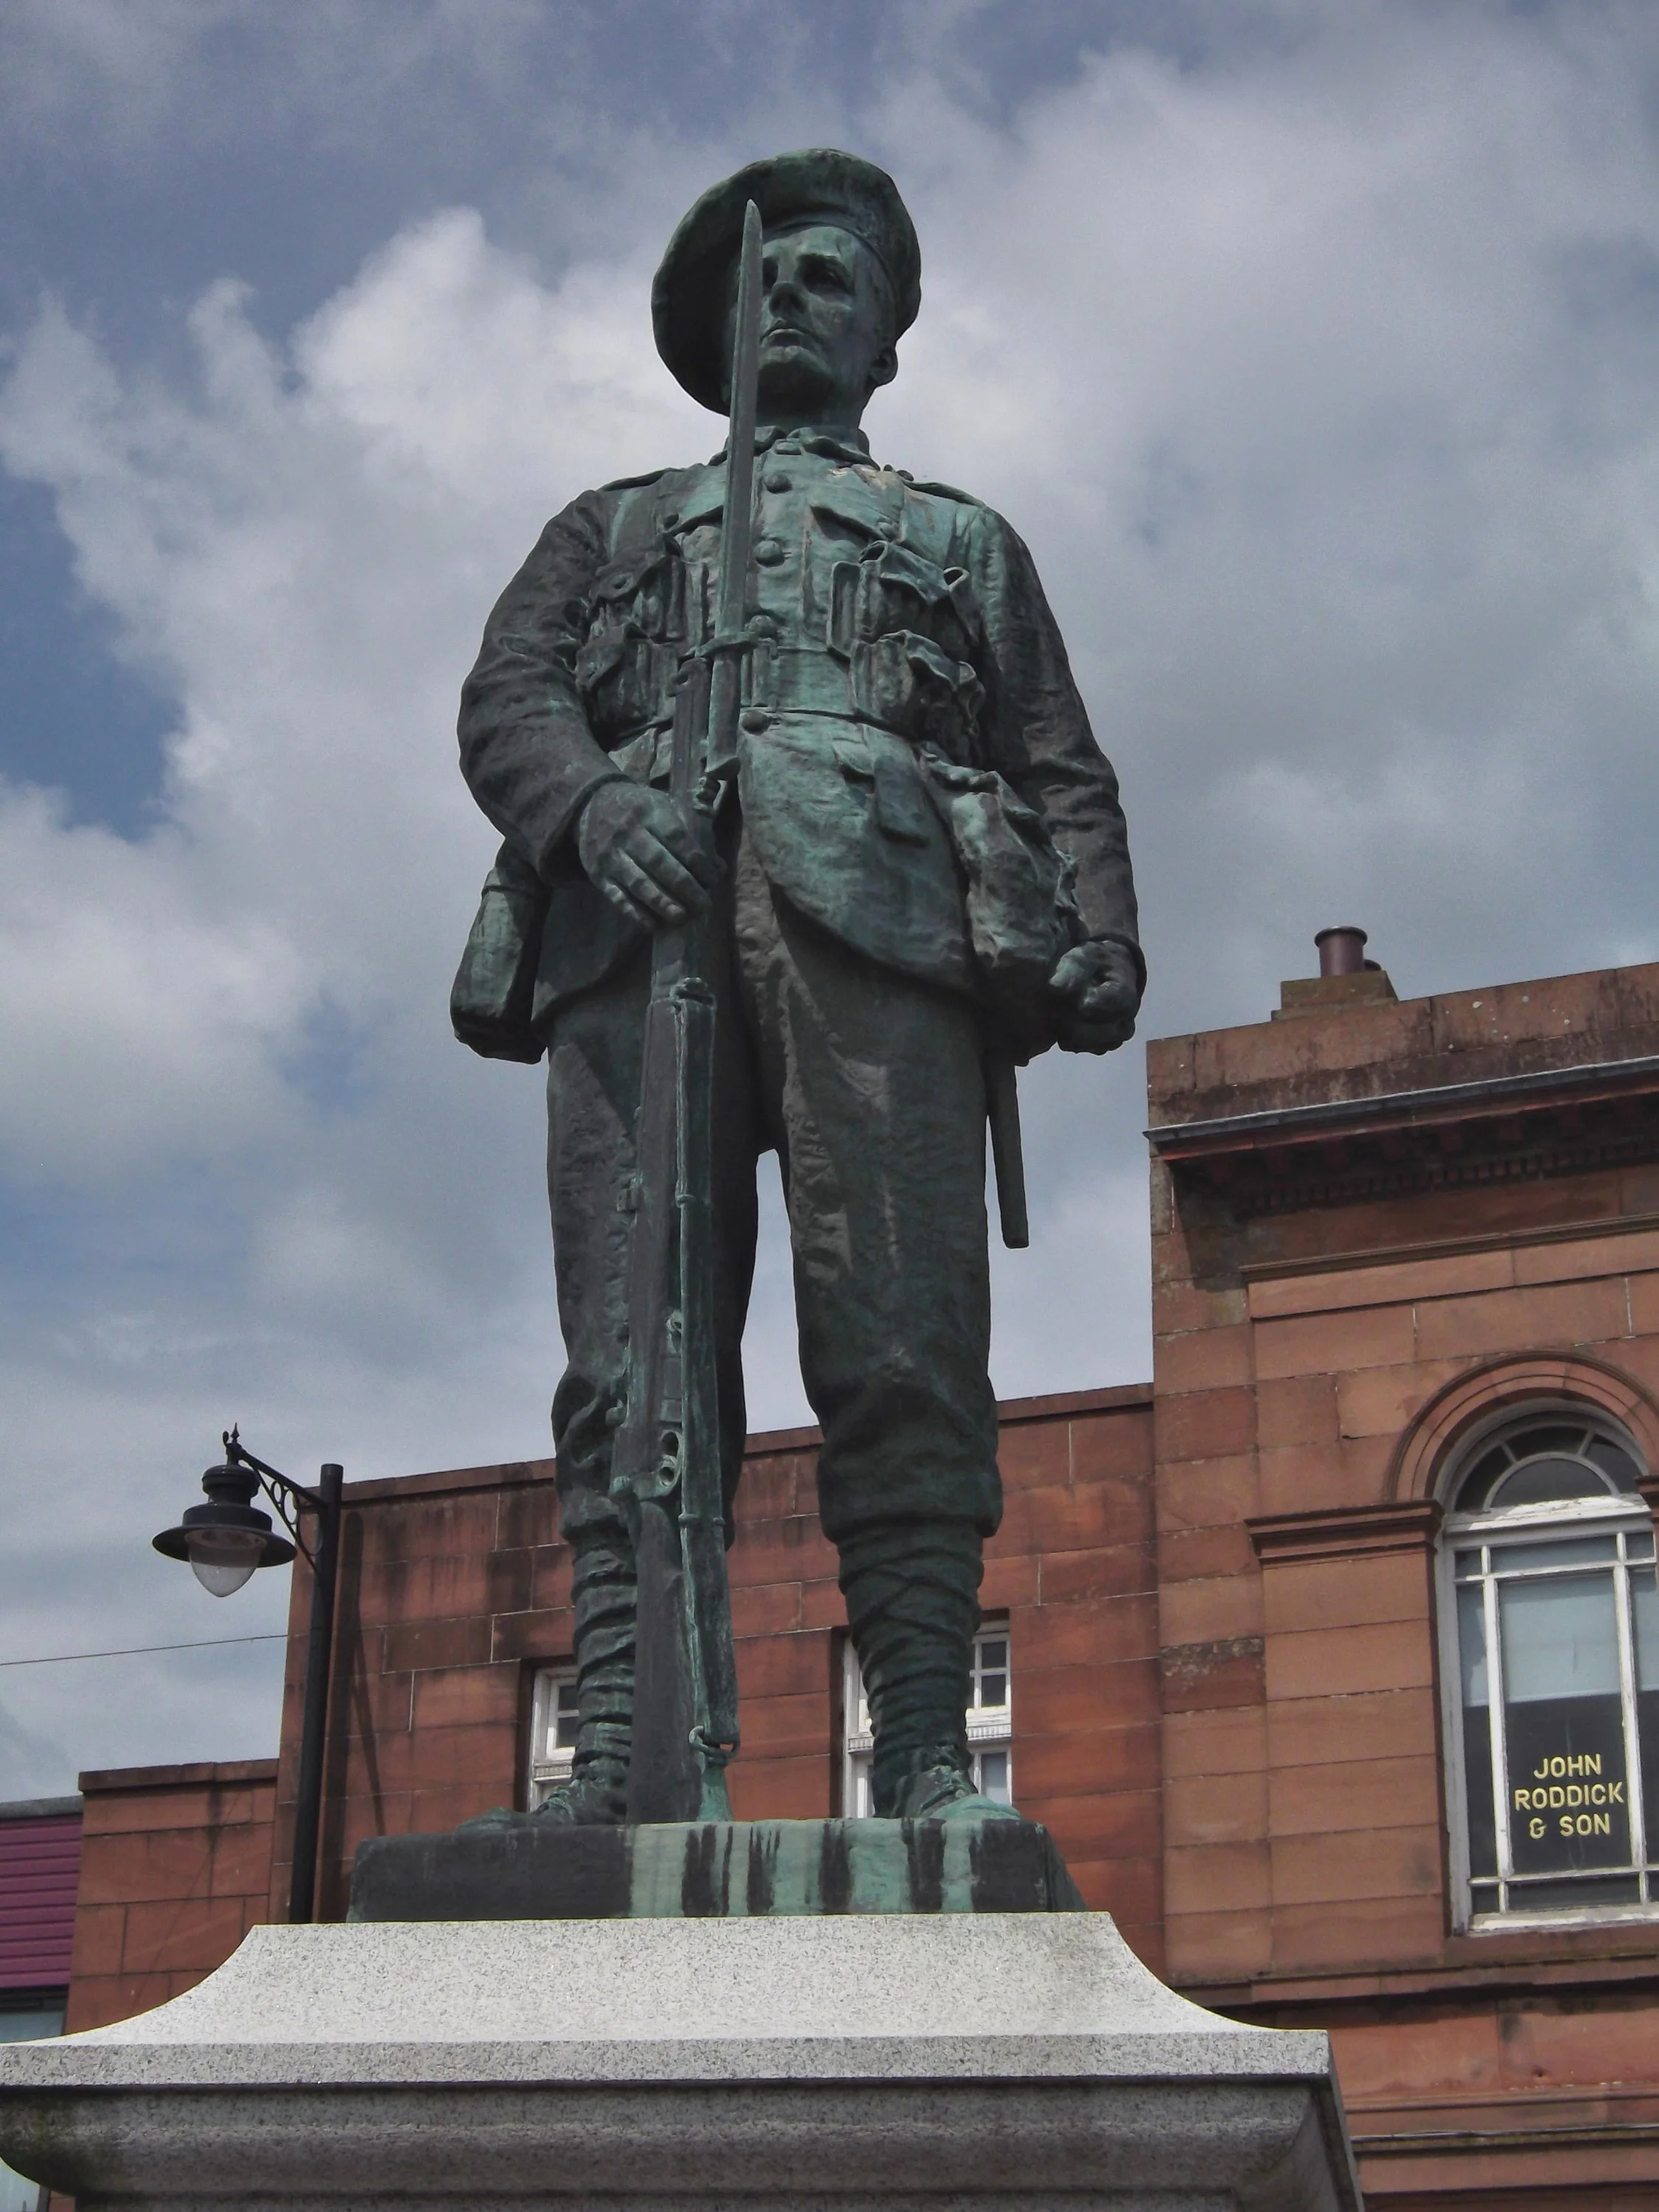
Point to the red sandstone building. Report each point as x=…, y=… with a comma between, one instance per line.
x=1331, y=1658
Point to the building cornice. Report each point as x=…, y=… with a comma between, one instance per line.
x=1390, y=1144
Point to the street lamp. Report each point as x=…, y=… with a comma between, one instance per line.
x=225, y=1541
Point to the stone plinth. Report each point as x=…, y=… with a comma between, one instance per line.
x=968, y=2060
x=705, y=1870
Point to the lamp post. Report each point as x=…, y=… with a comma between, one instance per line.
x=225, y=1541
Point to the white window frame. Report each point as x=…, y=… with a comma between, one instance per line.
x=1554, y=1523
x=990, y=1727
x=548, y=1762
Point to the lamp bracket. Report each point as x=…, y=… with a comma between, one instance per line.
x=286, y=1495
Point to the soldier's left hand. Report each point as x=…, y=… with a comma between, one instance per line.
x=1101, y=983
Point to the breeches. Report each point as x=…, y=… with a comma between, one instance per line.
x=870, y=1087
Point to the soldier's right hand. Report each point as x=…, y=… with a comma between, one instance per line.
x=643, y=851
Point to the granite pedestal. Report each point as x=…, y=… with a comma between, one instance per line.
x=956, y=2061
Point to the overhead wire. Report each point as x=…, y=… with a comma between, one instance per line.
x=139, y=1651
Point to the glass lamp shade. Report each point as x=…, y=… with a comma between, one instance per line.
x=227, y=1539
x=223, y=1559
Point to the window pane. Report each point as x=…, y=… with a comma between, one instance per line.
x=1547, y=1482
x=1506, y=1558
x=1614, y=1461
x=1563, y=1732
x=1477, y=1732
x=1471, y=1647
x=567, y=1720
x=992, y=1775
x=1644, y=1619
x=861, y=1804
x=989, y=1687
x=1553, y=1436
x=1472, y=1491
x=1560, y=1639
x=1553, y=1896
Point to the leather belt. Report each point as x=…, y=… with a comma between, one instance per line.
x=797, y=679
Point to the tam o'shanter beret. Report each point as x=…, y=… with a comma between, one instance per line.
x=819, y=184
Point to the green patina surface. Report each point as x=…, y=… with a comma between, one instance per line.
x=808, y=841
x=752, y=1867
x=696, y=1870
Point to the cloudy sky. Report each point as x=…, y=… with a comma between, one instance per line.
x=1313, y=345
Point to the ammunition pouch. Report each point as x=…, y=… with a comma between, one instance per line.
x=644, y=611
x=1022, y=913
x=489, y=1003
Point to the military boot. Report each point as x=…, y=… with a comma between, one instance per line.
x=938, y=1783
x=596, y=1793
x=911, y=1592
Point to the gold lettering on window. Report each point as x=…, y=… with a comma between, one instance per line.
x=1561, y=1794
x=1560, y=1767
x=1586, y=1824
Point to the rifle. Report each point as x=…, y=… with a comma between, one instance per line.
x=665, y=1467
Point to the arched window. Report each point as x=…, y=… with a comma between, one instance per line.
x=1551, y=1621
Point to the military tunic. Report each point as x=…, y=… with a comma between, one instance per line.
x=903, y=661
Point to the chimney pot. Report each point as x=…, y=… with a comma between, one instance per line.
x=1341, y=951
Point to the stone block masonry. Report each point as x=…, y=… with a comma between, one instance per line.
x=1373, y=1229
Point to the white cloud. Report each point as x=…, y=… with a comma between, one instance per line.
x=307, y=545
x=205, y=72
x=1321, y=376
x=1323, y=382
x=138, y=1012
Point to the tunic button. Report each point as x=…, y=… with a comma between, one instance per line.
x=769, y=552
x=776, y=481
x=755, y=719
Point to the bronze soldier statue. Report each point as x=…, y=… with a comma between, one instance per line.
x=918, y=874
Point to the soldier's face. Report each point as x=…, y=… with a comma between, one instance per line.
x=824, y=345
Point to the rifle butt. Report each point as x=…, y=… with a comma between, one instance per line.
x=665, y=1777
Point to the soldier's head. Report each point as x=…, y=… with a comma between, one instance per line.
x=826, y=339
x=840, y=281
